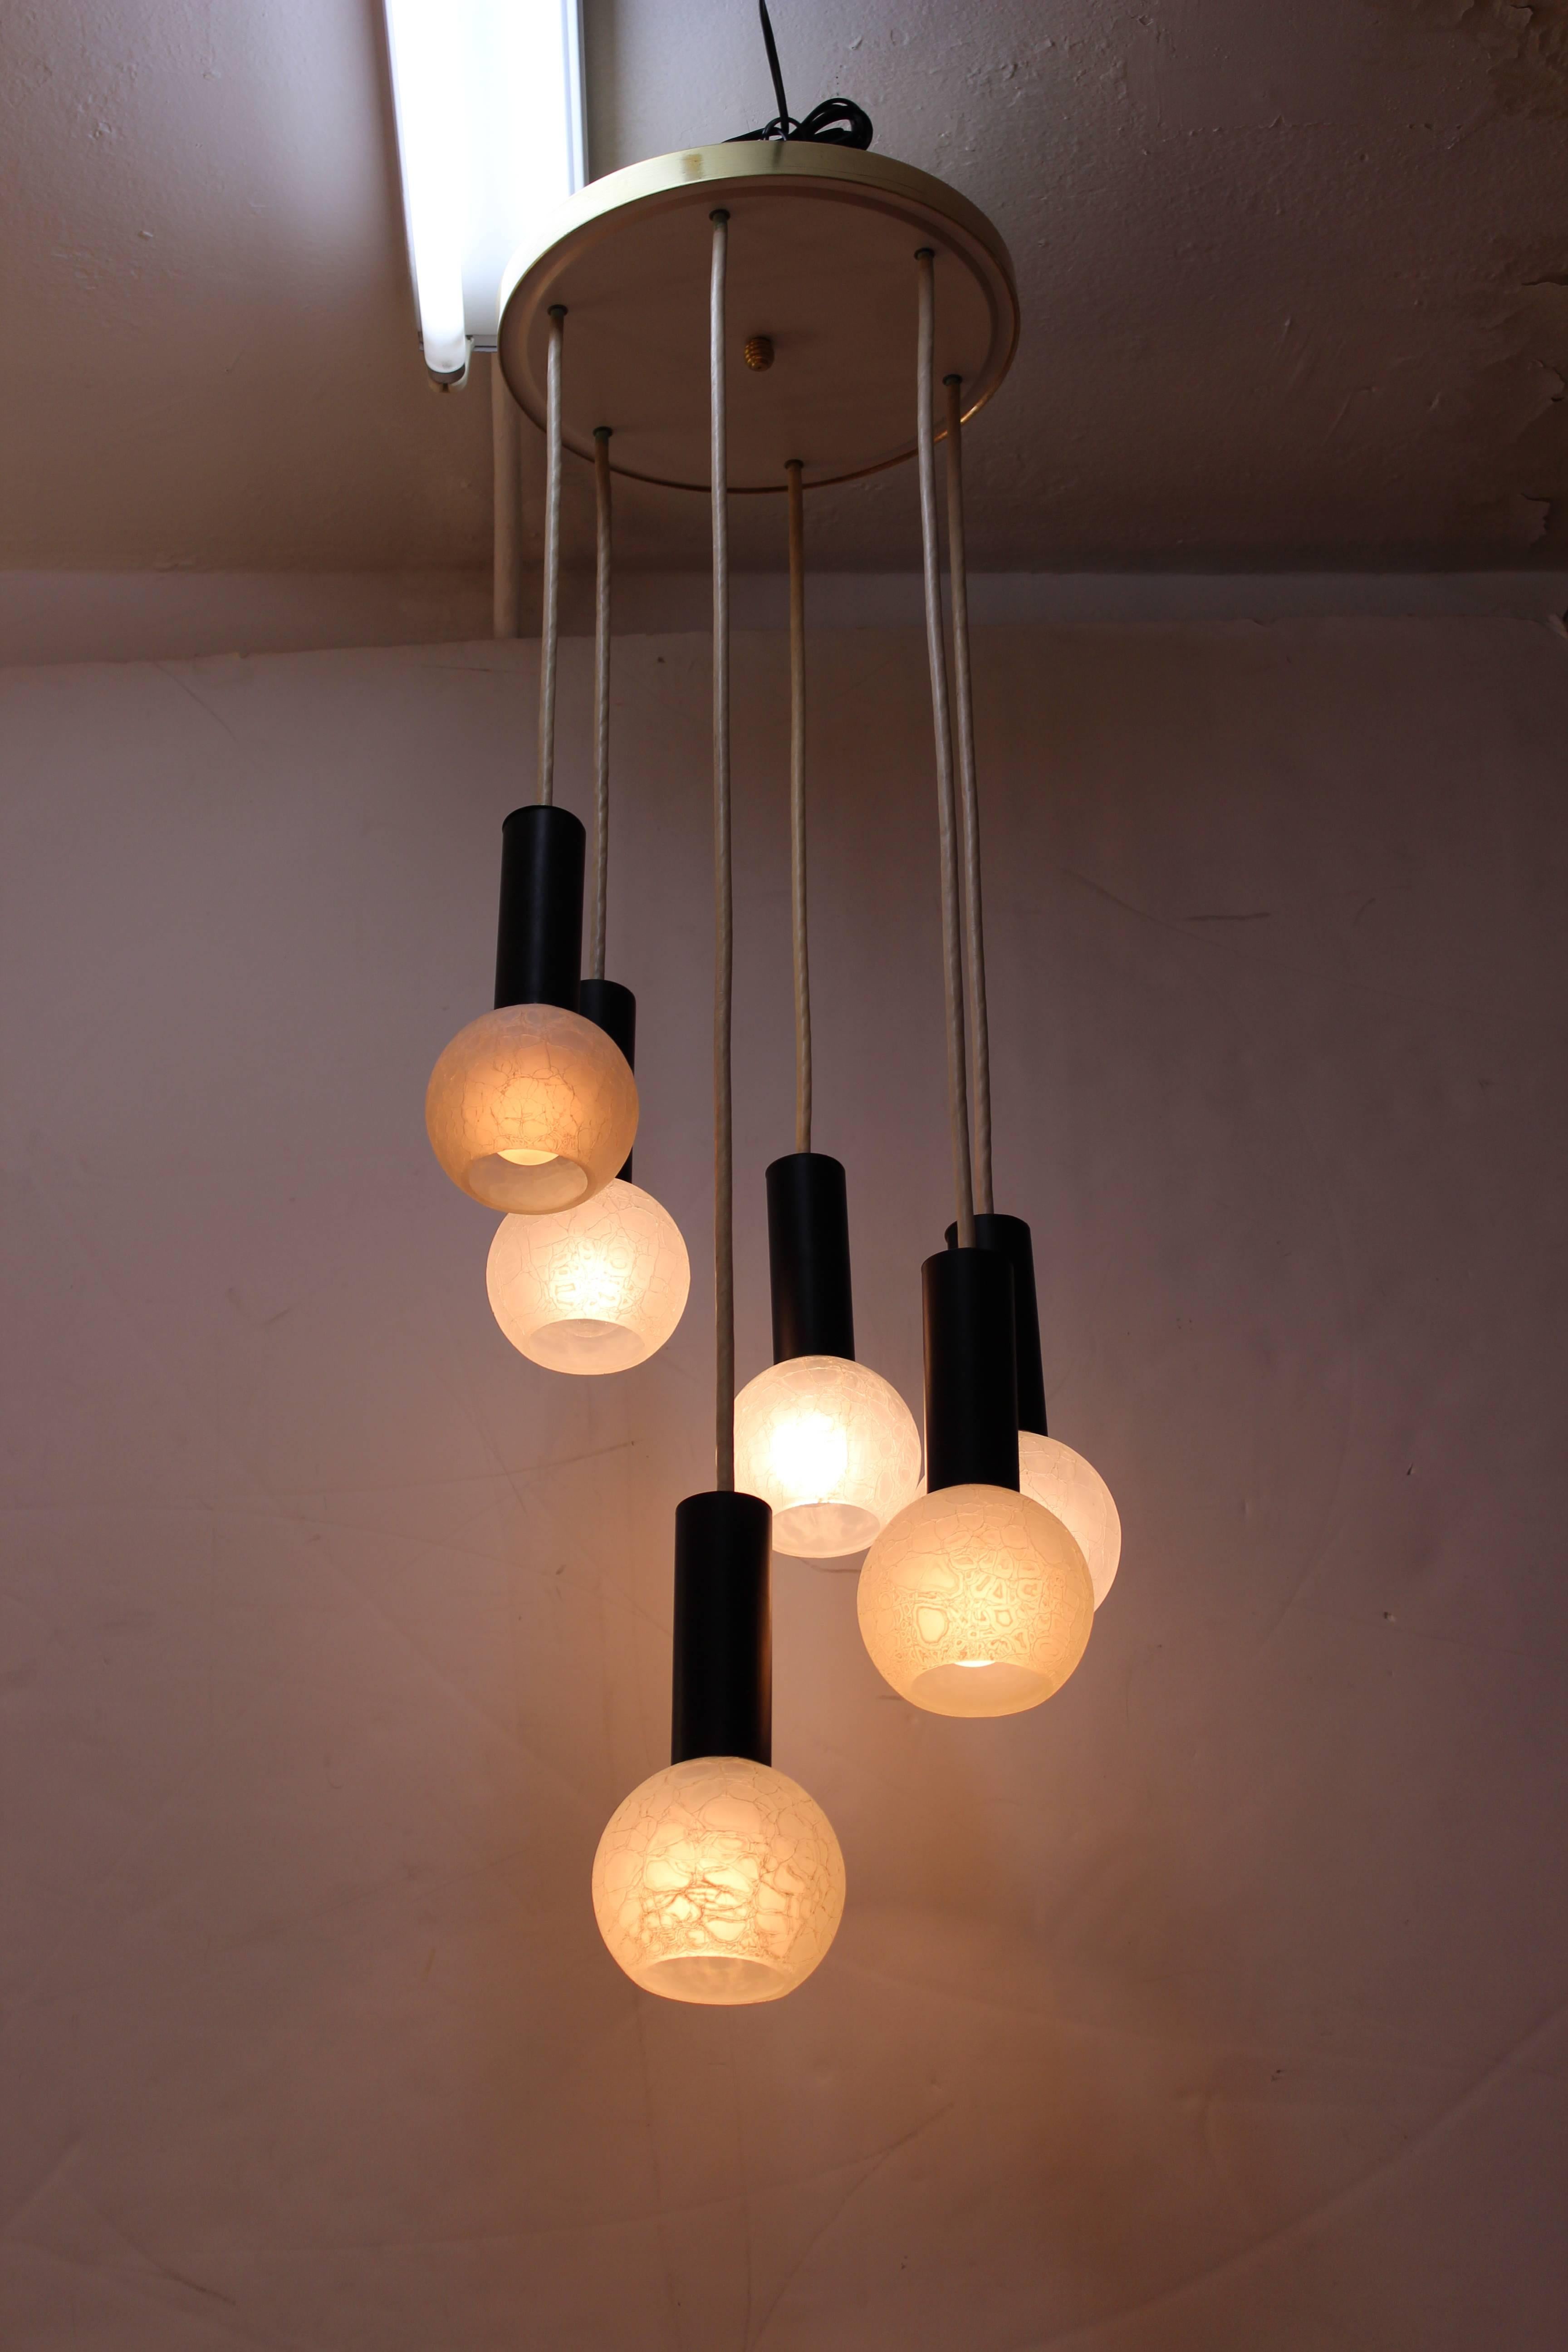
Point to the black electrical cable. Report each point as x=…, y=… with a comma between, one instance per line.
x=774, y=69
x=837, y=122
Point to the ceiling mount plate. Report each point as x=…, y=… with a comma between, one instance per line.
x=821, y=265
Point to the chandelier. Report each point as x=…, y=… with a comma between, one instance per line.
x=765, y=317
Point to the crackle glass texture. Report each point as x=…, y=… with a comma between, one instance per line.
x=532, y=1108
x=976, y=1600
x=591, y=1290
x=718, y=1881
x=1051, y=1474
x=832, y=1447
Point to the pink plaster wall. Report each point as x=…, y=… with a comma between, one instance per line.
x=1216, y=2005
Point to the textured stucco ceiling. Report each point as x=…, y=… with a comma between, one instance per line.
x=1295, y=281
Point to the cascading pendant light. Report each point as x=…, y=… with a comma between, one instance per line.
x=978, y=1600
x=599, y=1286
x=1048, y=1472
x=532, y=1107
x=718, y=1880
x=828, y=1442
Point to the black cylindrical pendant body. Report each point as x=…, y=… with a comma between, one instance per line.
x=808, y=1257
x=971, y=1382
x=613, y=1009
x=1010, y=1236
x=723, y=1674
x=539, y=941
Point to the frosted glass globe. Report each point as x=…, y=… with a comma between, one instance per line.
x=718, y=1881
x=1053, y=1475
x=975, y=1602
x=832, y=1447
x=591, y=1290
x=532, y=1108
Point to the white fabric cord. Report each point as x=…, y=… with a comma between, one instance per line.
x=792, y=471
x=723, y=897
x=968, y=799
x=936, y=650
x=550, y=629
x=601, y=703
x=506, y=486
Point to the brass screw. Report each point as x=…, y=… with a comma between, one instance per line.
x=758, y=351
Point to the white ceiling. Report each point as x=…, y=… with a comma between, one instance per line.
x=1295, y=281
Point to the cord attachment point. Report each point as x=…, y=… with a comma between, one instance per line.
x=837, y=122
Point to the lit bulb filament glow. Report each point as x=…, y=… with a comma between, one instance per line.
x=588, y=1282
x=809, y=1454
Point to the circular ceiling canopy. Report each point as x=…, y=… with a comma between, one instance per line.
x=821, y=267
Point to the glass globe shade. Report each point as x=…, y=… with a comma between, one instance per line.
x=975, y=1601
x=532, y=1108
x=718, y=1881
x=1064, y=1483
x=832, y=1447
x=591, y=1290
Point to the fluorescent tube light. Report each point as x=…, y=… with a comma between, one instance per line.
x=489, y=95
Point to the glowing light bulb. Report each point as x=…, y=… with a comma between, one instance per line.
x=832, y=1447
x=592, y=1289
x=975, y=1601
x=718, y=1881
x=532, y=1108
x=1051, y=1474
x=809, y=1454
